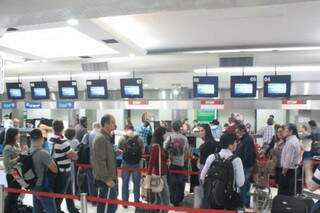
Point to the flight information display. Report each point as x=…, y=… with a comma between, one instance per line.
x=131, y=88
x=243, y=86
x=276, y=85
x=97, y=89
x=68, y=89
x=205, y=86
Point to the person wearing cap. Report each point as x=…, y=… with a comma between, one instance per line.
x=228, y=142
x=43, y=165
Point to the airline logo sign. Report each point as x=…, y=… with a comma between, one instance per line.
x=294, y=104
x=65, y=104
x=137, y=102
x=8, y=105
x=32, y=105
x=211, y=104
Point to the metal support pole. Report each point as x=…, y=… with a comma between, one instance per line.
x=2, y=198
x=83, y=202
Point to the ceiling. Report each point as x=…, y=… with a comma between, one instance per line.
x=163, y=41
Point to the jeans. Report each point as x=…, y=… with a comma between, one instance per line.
x=105, y=192
x=177, y=184
x=245, y=189
x=90, y=180
x=163, y=197
x=63, y=186
x=136, y=177
x=11, y=200
x=41, y=204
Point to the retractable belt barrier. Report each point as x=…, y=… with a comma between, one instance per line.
x=117, y=202
x=185, y=172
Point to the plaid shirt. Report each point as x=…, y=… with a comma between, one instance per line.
x=267, y=133
x=144, y=133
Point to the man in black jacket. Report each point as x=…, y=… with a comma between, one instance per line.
x=246, y=152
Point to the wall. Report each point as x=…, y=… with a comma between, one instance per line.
x=117, y=113
x=38, y=113
x=263, y=115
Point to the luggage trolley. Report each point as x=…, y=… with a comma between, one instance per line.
x=261, y=196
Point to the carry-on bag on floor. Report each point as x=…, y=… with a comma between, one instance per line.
x=150, y=199
x=287, y=204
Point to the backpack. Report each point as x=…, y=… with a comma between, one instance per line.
x=219, y=184
x=132, y=152
x=84, y=151
x=24, y=172
x=175, y=147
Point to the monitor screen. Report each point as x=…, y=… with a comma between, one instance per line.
x=205, y=89
x=131, y=90
x=15, y=92
x=274, y=88
x=68, y=91
x=276, y=85
x=39, y=92
x=243, y=88
x=97, y=91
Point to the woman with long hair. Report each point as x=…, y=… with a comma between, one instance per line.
x=11, y=156
x=153, y=167
x=209, y=146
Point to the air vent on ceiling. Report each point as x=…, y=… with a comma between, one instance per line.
x=85, y=57
x=110, y=41
x=236, y=62
x=12, y=29
x=95, y=67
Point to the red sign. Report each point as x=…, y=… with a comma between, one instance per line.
x=293, y=102
x=211, y=102
x=138, y=102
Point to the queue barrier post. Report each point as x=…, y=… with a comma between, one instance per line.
x=2, y=195
x=83, y=203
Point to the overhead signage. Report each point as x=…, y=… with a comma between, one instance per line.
x=138, y=102
x=8, y=105
x=65, y=104
x=211, y=104
x=32, y=105
x=293, y=104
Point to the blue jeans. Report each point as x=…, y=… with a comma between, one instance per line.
x=245, y=189
x=177, y=184
x=105, y=192
x=136, y=178
x=41, y=204
x=91, y=188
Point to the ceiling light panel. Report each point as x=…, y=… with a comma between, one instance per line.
x=55, y=43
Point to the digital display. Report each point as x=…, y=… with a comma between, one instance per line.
x=131, y=90
x=39, y=92
x=276, y=88
x=68, y=91
x=97, y=91
x=243, y=88
x=15, y=93
x=276, y=85
x=205, y=89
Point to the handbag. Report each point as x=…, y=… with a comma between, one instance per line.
x=154, y=182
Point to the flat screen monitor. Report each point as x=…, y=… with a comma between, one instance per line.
x=97, y=89
x=68, y=89
x=243, y=86
x=15, y=91
x=39, y=90
x=131, y=88
x=277, y=86
x=205, y=87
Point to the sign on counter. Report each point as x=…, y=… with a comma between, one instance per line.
x=32, y=105
x=8, y=105
x=65, y=104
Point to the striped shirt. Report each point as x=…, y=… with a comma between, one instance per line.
x=267, y=133
x=290, y=155
x=61, y=148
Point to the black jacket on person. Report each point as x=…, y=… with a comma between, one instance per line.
x=207, y=148
x=246, y=151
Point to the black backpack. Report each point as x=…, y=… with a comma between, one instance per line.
x=84, y=151
x=132, y=152
x=219, y=184
x=24, y=172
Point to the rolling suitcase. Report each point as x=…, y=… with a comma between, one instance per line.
x=287, y=204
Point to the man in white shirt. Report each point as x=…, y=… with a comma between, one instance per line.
x=228, y=145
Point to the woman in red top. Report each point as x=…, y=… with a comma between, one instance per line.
x=153, y=168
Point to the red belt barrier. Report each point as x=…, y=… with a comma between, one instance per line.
x=185, y=172
x=116, y=202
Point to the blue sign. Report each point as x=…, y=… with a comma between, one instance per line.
x=65, y=104
x=32, y=105
x=8, y=105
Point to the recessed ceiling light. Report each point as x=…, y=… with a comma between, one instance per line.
x=131, y=55
x=55, y=43
x=73, y=22
x=44, y=60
